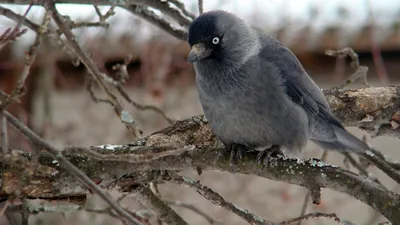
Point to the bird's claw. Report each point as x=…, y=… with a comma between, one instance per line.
x=264, y=156
x=236, y=153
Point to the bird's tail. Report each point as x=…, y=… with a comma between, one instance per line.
x=343, y=141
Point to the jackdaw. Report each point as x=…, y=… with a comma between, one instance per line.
x=255, y=93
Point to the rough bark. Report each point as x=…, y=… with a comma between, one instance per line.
x=350, y=106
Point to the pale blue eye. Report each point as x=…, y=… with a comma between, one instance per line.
x=215, y=40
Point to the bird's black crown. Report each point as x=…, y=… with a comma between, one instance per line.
x=210, y=24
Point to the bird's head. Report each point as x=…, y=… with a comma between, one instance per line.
x=222, y=36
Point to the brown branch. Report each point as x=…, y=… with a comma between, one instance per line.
x=200, y=4
x=123, y=75
x=194, y=131
x=165, y=7
x=147, y=198
x=71, y=168
x=218, y=200
x=143, y=107
x=312, y=215
x=16, y=17
x=379, y=104
x=11, y=35
x=30, y=56
x=142, y=218
x=383, y=165
x=3, y=132
x=140, y=10
x=98, y=76
x=308, y=195
x=181, y=7
x=147, y=14
x=195, y=210
x=360, y=71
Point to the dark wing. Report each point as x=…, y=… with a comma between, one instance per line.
x=300, y=88
x=325, y=129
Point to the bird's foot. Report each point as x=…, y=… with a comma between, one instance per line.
x=236, y=153
x=264, y=156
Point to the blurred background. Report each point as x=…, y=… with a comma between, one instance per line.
x=58, y=106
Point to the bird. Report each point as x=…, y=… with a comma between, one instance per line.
x=256, y=94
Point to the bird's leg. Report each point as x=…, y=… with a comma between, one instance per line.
x=264, y=156
x=236, y=153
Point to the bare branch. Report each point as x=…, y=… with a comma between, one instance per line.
x=147, y=198
x=123, y=75
x=308, y=195
x=11, y=35
x=181, y=6
x=383, y=165
x=313, y=215
x=16, y=17
x=360, y=71
x=31, y=54
x=200, y=3
x=143, y=107
x=194, y=209
x=3, y=132
x=218, y=200
x=166, y=8
x=128, y=158
x=69, y=166
x=99, y=77
x=150, y=16
x=196, y=132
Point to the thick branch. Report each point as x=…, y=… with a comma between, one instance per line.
x=195, y=131
x=370, y=109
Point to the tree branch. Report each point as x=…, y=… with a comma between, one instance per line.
x=71, y=168
x=196, y=132
x=99, y=77
x=156, y=205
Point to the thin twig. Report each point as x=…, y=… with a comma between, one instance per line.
x=140, y=216
x=69, y=166
x=305, y=205
x=109, y=13
x=218, y=200
x=149, y=15
x=308, y=195
x=200, y=3
x=194, y=209
x=382, y=165
x=165, y=7
x=128, y=158
x=4, y=132
x=182, y=7
x=165, y=213
x=8, y=36
x=18, y=18
x=122, y=76
x=30, y=56
x=98, y=76
x=360, y=71
x=360, y=167
x=311, y=215
x=143, y=107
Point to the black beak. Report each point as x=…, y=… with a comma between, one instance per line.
x=199, y=51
